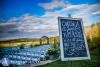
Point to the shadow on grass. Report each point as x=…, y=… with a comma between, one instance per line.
x=94, y=62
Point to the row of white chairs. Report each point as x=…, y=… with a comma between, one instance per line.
x=27, y=55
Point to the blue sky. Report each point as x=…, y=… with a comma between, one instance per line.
x=34, y=18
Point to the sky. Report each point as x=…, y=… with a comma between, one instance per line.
x=37, y=18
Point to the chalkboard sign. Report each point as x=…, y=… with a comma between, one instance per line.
x=73, y=42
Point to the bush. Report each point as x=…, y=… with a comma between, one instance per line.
x=22, y=46
x=52, y=51
x=94, y=43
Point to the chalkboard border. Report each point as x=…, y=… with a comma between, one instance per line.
x=61, y=42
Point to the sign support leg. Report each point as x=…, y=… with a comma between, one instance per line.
x=71, y=63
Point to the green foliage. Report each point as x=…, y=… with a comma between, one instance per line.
x=94, y=43
x=52, y=51
x=31, y=45
x=36, y=45
x=22, y=46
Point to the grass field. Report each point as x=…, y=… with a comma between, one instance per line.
x=94, y=62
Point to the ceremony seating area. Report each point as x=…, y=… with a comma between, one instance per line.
x=29, y=55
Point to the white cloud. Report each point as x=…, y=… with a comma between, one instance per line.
x=47, y=24
x=95, y=13
x=32, y=25
x=83, y=11
x=86, y=12
x=74, y=7
x=54, y=4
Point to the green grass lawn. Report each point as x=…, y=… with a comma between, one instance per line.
x=94, y=62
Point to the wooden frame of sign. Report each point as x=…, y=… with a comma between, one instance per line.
x=72, y=46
